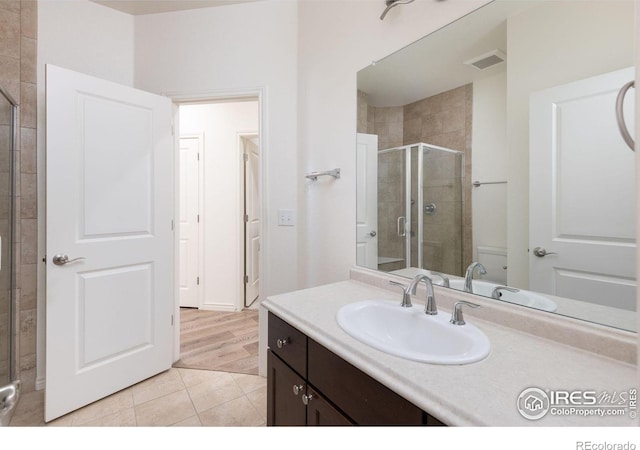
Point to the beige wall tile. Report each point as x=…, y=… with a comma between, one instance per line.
x=10, y=5
x=9, y=33
x=28, y=281
x=28, y=162
x=28, y=113
x=27, y=332
x=28, y=241
x=28, y=56
x=28, y=196
x=29, y=18
x=10, y=76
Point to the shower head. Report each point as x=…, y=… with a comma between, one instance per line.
x=391, y=3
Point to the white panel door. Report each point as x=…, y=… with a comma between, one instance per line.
x=189, y=247
x=582, y=188
x=252, y=223
x=367, y=201
x=109, y=201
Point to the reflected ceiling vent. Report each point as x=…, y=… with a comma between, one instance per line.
x=487, y=60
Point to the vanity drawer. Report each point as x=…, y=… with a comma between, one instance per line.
x=359, y=396
x=288, y=343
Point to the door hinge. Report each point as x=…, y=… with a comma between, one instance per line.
x=172, y=225
x=173, y=131
x=171, y=319
x=198, y=156
x=198, y=218
x=198, y=281
x=245, y=157
x=246, y=279
x=246, y=218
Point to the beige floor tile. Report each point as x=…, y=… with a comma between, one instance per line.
x=258, y=399
x=30, y=410
x=122, y=418
x=164, y=411
x=190, y=422
x=105, y=407
x=192, y=377
x=158, y=386
x=249, y=383
x=64, y=421
x=207, y=395
x=235, y=413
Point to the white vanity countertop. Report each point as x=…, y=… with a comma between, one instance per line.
x=482, y=393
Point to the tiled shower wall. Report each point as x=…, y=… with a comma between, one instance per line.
x=18, y=46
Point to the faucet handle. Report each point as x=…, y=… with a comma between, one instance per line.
x=406, y=297
x=445, y=279
x=456, y=316
x=496, y=292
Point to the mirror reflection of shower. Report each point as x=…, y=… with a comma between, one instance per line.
x=420, y=208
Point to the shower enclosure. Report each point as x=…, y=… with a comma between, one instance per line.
x=9, y=386
x=420, y=208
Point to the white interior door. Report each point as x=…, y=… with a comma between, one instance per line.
x=252, y=222
x=367, y=201
x=583, y=208
x=109, y=202
x=190, y=151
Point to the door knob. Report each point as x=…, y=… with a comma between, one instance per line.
x=541, y=252
x=61, y=260
x=373, y=234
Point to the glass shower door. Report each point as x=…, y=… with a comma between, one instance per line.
x=8, y=128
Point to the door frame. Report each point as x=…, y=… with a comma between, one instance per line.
x=256, y=93
x=200, y=256
x=242, y=248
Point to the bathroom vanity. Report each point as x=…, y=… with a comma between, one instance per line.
x=320, y=375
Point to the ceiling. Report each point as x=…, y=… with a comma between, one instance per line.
x=139, y=7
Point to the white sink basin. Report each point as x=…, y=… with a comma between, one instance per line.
x=411, y=334
x=522, y=297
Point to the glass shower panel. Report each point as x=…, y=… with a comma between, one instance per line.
x=392, y=214
x=442, y=208
x=6, y=307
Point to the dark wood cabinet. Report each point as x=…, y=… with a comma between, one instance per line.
x=309, y=385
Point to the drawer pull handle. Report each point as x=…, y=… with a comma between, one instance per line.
x=297, y=388
x=306, y=398
x=282, y=342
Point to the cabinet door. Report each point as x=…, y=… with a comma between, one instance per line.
x=284, y=407
x=322, y=413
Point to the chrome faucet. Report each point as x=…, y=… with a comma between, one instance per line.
x=468, y=277
x=445, y=279
x=430, y=307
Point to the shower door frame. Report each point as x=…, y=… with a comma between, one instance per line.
x=13, y=320
x=421, y=146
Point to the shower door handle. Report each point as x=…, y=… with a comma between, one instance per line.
x=61, y=260
x=402, y=229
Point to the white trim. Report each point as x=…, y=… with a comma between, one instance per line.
x=259, y=93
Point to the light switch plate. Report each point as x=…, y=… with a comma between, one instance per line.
x=286, y=217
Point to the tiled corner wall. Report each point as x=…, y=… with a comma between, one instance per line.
x=18, y=47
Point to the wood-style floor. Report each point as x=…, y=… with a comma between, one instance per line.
x=225, y=341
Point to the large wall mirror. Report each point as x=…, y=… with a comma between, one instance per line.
x=489, y=157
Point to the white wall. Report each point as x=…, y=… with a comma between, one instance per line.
x=336, y=39
x=213, y=51
x=86, y=37
x=489, y=162
x=576, y=36
x=223, y=243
